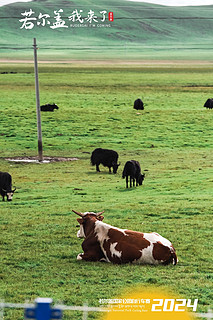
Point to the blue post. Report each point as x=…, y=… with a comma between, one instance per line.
x=43, y=310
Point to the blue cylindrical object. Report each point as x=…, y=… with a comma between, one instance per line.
x=43, y=308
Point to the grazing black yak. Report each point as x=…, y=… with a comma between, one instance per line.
x=108, y=158
x=48, y=107
x=132, y=169
x=138, y=104
x=209, y=104
x=6, y=186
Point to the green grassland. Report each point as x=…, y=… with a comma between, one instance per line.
x=139, y=31
x=171, y=138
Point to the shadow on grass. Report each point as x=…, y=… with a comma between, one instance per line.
x=124, y=189
x=100, y=173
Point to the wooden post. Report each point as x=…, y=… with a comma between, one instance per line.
x=40, y=148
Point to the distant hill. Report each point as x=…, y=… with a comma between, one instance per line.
x=139, y=30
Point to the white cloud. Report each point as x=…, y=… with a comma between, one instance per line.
x=162, y=2
x=4, y=2
x=178, y=2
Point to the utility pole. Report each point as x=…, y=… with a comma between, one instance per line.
x=40, y=148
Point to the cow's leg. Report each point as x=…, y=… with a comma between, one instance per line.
x=79, y=256
x=133, y=181
x=110, y=170
x=89, y=256
x=97, y=168
x=103, y=260
x=91, y=251
x=126, y=181
x=130, y=182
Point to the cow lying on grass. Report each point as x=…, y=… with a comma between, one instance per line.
x=104, y=242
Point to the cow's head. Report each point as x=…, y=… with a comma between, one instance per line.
x=115, y=166
x=9, y=193
x=87, y=218
x=141, y=178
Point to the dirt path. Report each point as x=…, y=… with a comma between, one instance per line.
x=116, y=62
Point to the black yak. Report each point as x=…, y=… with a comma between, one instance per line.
x=6, y=186
x=138, y=104
x=48, y=107
x=132, y=169
x=209, y=104
x=108, y=158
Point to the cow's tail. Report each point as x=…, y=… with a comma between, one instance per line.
x=124, y=173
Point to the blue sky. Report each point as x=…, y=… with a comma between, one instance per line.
x=162, y=2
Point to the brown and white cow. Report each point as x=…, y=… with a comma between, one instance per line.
x=104, y=242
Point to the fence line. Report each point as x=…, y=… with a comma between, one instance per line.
x=85, y=309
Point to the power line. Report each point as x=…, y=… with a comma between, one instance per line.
x=175, y=45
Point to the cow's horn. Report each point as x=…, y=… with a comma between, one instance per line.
x=78, y=213
x=99, y=213
x=14, y=189
x=4, y=190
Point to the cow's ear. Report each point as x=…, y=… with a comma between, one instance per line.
x=101, y=218
x=80, y=221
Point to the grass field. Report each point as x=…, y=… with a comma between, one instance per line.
x=172, y=139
